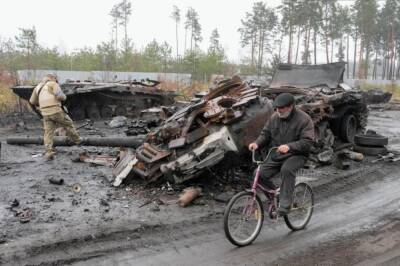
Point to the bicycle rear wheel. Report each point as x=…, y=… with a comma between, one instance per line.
x=243, y=218
x=302, y=207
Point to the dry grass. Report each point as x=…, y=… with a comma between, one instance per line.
x=393, y=88
x=185, y=91
x=8, y=100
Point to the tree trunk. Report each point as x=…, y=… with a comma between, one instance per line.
x=253, y=44
x=326, y=48
x=177, y=43
x=384, y=66
x=375, y=65
x=332, y=46
x=355, y=56
x=347, y=56
x=360, y=60
x=315, y=47
x=366, y=64
x=184, y=48
x=280, y=48
x=290, y=43
x=298, y=44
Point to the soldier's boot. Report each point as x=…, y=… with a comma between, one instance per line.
x=49, y=155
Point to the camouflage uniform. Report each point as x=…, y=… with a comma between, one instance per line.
x=48, y=96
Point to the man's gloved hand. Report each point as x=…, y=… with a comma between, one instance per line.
x=283, y=149
x=253, y=146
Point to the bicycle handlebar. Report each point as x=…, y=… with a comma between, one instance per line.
x=266, y=158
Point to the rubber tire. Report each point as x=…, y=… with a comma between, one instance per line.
x=370, y=150
x=226, y=217
x=106, y=111
x=120, y=111
x=93, y=112
x=78, y=113
x=287, y=217
x=347, y=121
x=371, y=140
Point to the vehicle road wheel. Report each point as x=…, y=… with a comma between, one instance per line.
x=302, y=207
x=93, y=112
x=78, y=113
x=348, y=128
x=243, y=218
x=120, y=110
x=371, y=140
x=106, y=111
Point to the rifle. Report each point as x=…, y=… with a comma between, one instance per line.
x=64, y=108
x=34, y=108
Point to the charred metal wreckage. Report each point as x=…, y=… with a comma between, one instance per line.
x=200, y=135
x=103, y=100
x=203, y=134
x=215, y=128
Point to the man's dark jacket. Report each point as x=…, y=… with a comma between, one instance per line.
x=297, y=131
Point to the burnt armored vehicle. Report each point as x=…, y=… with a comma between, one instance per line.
x=94, y=100
x=319, y=90
x=212, y=131
x=216, y=129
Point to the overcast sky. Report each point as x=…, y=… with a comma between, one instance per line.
x=71, y=24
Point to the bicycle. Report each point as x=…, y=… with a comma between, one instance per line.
x=246, y=208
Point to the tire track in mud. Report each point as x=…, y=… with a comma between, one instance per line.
x=147, y=239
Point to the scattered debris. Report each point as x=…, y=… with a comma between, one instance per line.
x=104, y=203
x=25, y=215
x=189, y=194
x=118, y=121
x=155, y=207
x=224, y=196
x=3, y=239
x=104, y=160
x=377, y=95
x=56, y=181
x=383, y=157
x=20, y=127
x=356, y=156
x=14, y=204
x=76, y=188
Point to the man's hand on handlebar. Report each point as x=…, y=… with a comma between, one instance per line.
x=282, y=148
x=253, y=146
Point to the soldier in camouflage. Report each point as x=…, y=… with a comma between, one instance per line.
x=48, y=96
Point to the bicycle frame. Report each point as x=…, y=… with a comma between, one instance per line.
x=269, y=193
x=257, y=174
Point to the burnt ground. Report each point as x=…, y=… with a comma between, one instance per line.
x=141, y=225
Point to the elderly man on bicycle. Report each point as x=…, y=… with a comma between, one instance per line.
x=292, y=131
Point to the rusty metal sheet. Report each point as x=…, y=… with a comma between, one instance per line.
x=196, y=135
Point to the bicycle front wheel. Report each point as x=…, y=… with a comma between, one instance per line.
x=243, y=218
x=302, y=207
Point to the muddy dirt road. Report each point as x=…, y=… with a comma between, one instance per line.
x=360, y=224
x=356, y=219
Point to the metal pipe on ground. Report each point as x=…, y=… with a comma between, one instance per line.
x=132, y=142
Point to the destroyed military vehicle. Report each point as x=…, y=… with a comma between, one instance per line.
x=319, y=90
x=94, y=100
x=217, y=129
